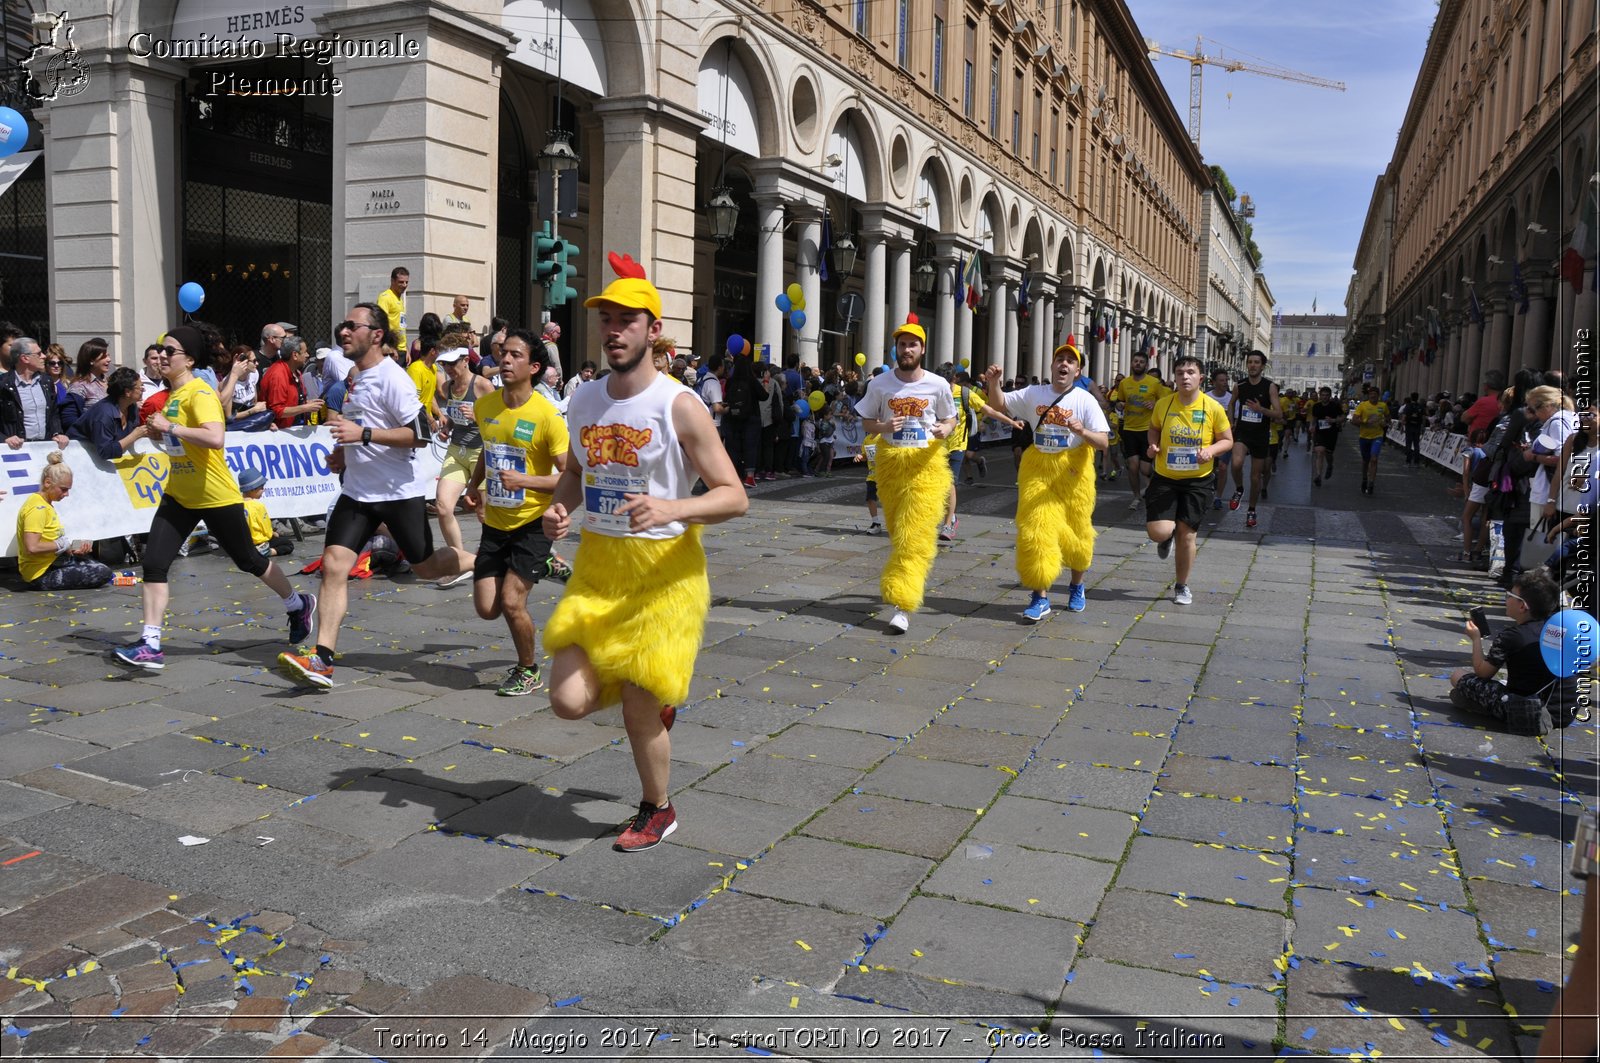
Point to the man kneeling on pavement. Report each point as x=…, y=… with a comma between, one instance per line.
x=1531, y=699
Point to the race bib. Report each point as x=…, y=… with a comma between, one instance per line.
x=172, y=444
x=499, y=458
x=1249, y=416
x=1324, y=423
x=603, y=493
x=1183, y=459
x=461, y=413
x=914, y=434
x=1052, y=438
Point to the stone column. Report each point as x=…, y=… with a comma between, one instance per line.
x=1537, y=342
x=997, y=297
x=111, y=215
x=808, y=262
x=900, y=280
x=400, y=197
x=770, y=324
x=1497, y=351
x=1471, y=358
x=872, y=340
x=1040, y=308
x=945, y=310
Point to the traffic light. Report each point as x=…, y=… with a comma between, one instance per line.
x=561, y=288
x=545, y=249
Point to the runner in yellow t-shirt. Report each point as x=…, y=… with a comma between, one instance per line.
x=390, y=303
x=1188, y=431
x=524, y=453
x=1138, y=393
x=869, y=454
x=46, y=559
x=1371, y=417
x=190, y=429
x=425, y=376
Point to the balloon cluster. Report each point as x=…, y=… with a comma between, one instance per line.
x=738, y=345
x=792, y=301
x=13, y=132
x=191, y=296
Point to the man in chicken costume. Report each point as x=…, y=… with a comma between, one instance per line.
x=912, y=409
x=629, y=625
x=1055, y=482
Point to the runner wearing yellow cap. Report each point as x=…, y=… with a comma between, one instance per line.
x=913, y=410
x=629, y=625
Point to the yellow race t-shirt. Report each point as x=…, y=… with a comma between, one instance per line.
x=392, y=305
x=1370, y=417
x=200, y=476
x=1286, y=408
x=957, y=440
x=869, y=450
x=1138, y=398
x=426, y=377
x=39, y=516
x=1185, y=431
x=260, y=523
x=525, y=440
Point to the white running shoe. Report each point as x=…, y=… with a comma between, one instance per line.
x=454, y=581
x=1133, y=503
x=1181, y=595
x=899, y=622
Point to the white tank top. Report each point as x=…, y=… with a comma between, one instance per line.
x=628, y=446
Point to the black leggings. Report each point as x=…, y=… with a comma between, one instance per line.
x=228, y=525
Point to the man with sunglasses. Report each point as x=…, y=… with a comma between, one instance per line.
x=28, y=398
x=190, y=429
x=378, y=432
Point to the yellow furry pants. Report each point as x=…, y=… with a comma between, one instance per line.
x=913, y=485
x=1055, y=515
x=638, y=608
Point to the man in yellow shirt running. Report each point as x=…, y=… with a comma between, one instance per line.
x=390, y=301
x=1371, y=417
x=1188, y=432
x=1137, y=392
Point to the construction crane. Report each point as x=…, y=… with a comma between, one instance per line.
x=1198, y=58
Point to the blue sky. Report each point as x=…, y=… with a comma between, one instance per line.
x=1307, y=156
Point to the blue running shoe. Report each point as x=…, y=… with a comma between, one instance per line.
x=1077, y=600
x=141, y=655
x=304, y=619
x=1038, y=608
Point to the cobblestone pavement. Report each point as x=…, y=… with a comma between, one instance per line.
x=1245, y=827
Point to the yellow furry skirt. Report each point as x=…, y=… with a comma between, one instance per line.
x=637, y=608
x=913, y=485
x=1055, y=515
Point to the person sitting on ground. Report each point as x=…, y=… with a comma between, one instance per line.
x=46, y=559
x=111, y=426
x=253, y=484
x=1530, y=691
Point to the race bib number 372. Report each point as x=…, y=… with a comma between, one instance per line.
x=603, y=494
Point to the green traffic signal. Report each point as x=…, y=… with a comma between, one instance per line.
x=546, y=249
x=561, y=289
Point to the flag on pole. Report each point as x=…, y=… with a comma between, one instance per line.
x=1519, y=288
x=1582, y=235
x=1312, y=352
x=1100, y=329
x=961, y=288
x=822, y=252
x=1474, y=308
x=974, y=283
x=1313, y=304
x=1022, y=295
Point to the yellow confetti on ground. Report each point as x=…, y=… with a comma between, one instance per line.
x=1396, y=1023
x=1033, y=900
x=916, y=952
x=794, y=1002
x=802, y=944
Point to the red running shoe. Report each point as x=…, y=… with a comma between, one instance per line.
x=669, y=716
x=647, y=829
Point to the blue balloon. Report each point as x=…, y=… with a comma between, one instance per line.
x=782, y=302
x=13, y=132
x=1567, y=642
x=797, y=318
x=190, y=296
x=735, y=344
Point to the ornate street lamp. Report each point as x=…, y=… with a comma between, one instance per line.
x=925, y=278
x=558, y=157
x=843, y=254
x=724, y=214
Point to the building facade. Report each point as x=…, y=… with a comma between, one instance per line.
x=1226, y=326
x=1308, y=351
x=287, y=158
x=1478, y=252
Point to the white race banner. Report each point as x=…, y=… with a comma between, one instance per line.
x=112, y=499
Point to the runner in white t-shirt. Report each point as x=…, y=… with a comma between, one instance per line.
x=1055, y=481
x=913, y=410
x=378, y=433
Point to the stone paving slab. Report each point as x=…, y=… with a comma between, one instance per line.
x=306, y=766
x=1077, y=829
x=808, y=945
x=920, y=996
x=1030, y=720
x=405, y=733
x=989, y=749
x=1116, y=788
x=375, y=809
x=735, y=713
x=934, y=781
x=607, y=773
x=1025, y=880
x=1524, y=860
x=1206, y=777
x=981, y=947
x=1233, y=944
x=1323, y=1003
x=1249, y=745
x=1253, y=825
x=781, y=780
x=1212, y=872
x=805, y=870
x=831, y=746
x=1521, y=917
x=1333, y=926
x=157, y=761
x=266, y=727
x=1104, y=748
x=19, y=802
x=1155, y=1015
x=100, y=902
x=457, y=866
x=528, y=816
x=737, y=826
x=208, y=805
x=875, y=717
x=1363, y=864
x=889, y=823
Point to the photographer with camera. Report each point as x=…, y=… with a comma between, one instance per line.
x=1531, y=699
